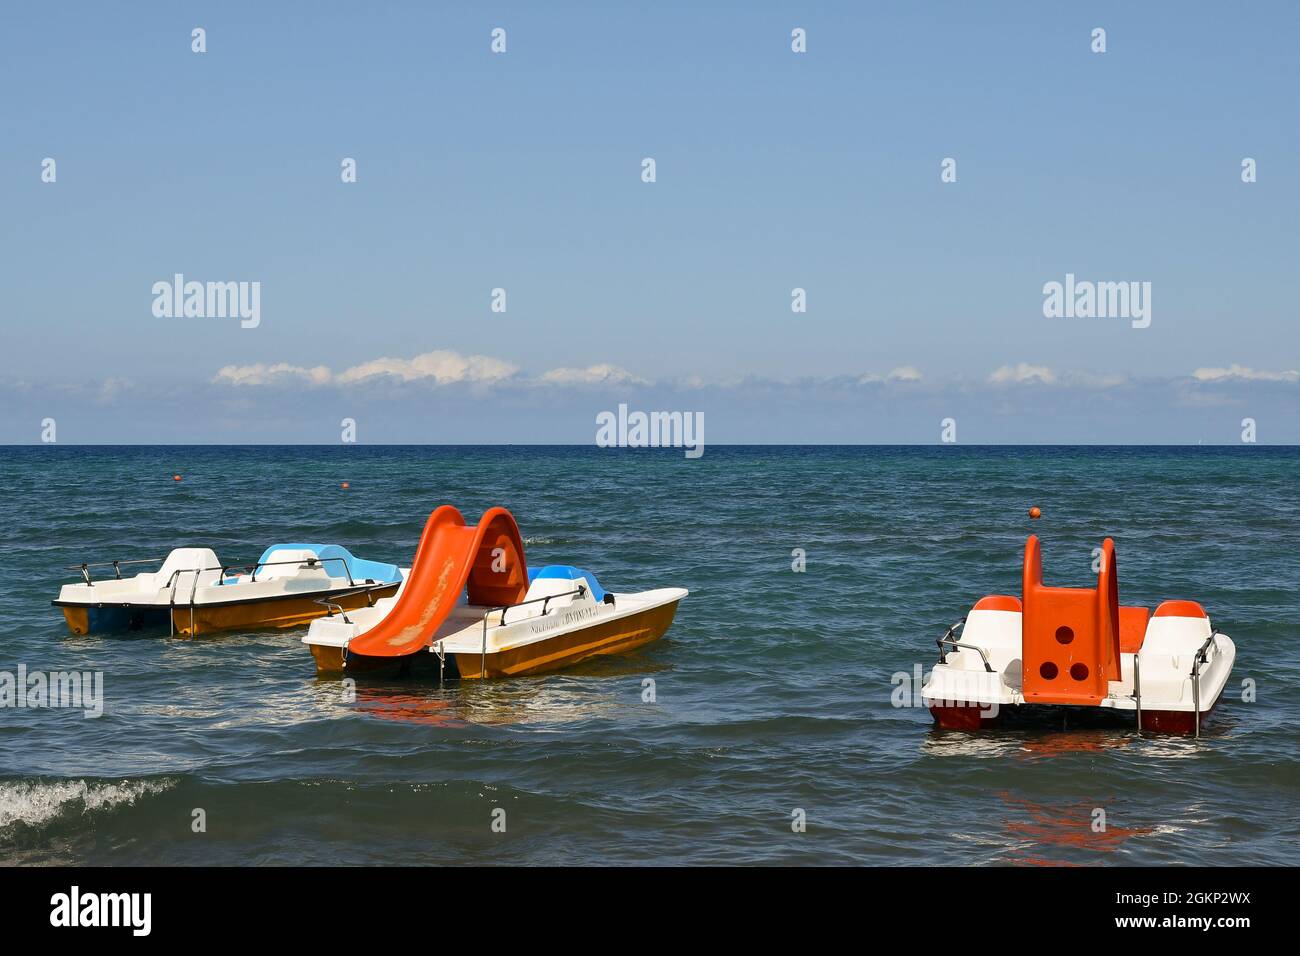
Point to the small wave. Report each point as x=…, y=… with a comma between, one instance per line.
x=539, y=541
x=35, y=803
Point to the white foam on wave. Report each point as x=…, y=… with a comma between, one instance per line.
x=37, y=802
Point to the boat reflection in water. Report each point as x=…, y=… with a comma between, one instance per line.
x=1073, y=831
x=941, y=743
x=603, y=688
x=1036, y=830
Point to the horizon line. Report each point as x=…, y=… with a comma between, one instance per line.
x=650, y=448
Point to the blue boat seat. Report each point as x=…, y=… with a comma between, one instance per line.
x=568, y=572
x=335, y=559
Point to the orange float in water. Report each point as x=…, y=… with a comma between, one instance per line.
x=345, y=486
x=176, y=477
x=1034, y=512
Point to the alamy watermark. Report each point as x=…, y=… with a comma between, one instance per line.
x=82, y=690
x=208, y=300
x=960, y=689
x=651, y=430
x=1083, y=299
x=129, y=910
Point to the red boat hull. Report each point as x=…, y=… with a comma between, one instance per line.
x=974, y=717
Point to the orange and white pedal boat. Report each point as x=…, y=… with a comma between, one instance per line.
x=471, y=608
x=1078, y=648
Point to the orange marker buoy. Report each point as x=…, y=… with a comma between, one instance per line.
x=1034, y=512
x=176, y=477
x=345, y=486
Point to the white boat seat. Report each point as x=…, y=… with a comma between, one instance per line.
x=273, y=568
x=189, y=562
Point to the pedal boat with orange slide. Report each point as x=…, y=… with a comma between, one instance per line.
x=193, y=593
x=471, y=609
x=1079, y=648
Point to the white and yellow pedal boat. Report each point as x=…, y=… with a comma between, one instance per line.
x=471, y=608
x=192, y=592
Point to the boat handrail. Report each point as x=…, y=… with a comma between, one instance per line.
x=1197, y=660
x=951, y=632
x=221, y=579
x=949, y=639
x=85, y=566
x=174, y=580
x=365, y=589
x=579, y=590
x=309, y=562
x=1137, y=686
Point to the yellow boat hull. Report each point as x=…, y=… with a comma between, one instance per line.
x=611, y=637
x=78, y=619
x=280, y=613
x=537, y=657
x=251, y=615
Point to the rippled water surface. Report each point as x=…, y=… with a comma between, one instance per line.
x=773, y=688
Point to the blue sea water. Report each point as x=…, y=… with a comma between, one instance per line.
x=773, y=690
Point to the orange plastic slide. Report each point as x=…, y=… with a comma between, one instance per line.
x=451, y=556
x=1070, y=637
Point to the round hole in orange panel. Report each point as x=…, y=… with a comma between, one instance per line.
x=1064, y=634
x=1047, y=670
x=1079, y=671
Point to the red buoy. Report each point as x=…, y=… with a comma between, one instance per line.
x=176, y=477
x=1034, y=512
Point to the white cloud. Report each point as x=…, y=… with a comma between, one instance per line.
x=440, y=367
x=112, y=388
x=603, y=374
x=262, y=374
x=444, y=368
x=1242, y=373
x=1023, y=374
x=904, y=373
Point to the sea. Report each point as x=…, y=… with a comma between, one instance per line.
x=776, y=723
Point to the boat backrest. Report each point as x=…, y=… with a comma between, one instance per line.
x=994, y=624
x=1070, y=636
x=339, y=562
x=562, y=588
x=188, y=562
x=336, y=558
x=1177, y=628
x=570, y=576
x=285, y=563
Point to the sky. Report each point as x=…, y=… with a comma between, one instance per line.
x=774, y=171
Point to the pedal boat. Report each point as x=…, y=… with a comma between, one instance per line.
x=193, y=593
x=471, y=609
x=1078, y=648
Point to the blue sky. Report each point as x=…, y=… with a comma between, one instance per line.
x=775, y=170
